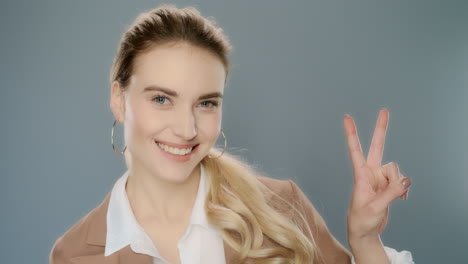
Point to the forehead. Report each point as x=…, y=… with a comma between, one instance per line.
x=181, y=67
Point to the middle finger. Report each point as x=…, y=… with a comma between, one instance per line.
x=374, y=157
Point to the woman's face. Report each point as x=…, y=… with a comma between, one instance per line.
x=171, y=109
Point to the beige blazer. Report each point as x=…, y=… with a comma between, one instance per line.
x=85, y=241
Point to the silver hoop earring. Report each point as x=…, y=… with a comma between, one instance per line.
x=224, y=149
x=112, y=140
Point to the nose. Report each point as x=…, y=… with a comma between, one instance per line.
x=185, y=125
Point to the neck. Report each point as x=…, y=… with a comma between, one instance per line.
x=155, y=200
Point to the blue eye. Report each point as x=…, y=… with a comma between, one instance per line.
x=161, y=99
x=209, y=104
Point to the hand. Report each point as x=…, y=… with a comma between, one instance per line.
x=375, y=186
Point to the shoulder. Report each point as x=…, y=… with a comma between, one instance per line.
x=275, y=185
x=286, y=189
x=290, y=200
x=76, y=240
x=286, y=197
x=299, y=207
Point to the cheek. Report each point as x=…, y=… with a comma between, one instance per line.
x=143, y=121
x=209, y=126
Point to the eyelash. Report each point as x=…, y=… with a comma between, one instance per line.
x=212, y=103
x=158, y=98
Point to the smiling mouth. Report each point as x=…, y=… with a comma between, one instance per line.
x=176, y=151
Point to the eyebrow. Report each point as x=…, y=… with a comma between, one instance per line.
x=211, y=95
x=161, y=89
x=174, y=93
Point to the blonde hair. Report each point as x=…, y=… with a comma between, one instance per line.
x=236, y=202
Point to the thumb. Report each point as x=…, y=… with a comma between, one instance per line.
x=394, y=190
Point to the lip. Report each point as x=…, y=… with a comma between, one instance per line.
x=173, y=157
x=175, y=145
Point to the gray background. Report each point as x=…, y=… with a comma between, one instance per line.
x=298, y=68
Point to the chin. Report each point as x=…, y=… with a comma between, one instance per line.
x=175, y=175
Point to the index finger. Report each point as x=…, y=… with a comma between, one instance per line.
x=354, y=146
x=374, y=157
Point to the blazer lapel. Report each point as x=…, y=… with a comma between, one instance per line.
x=128, y=256
x=96, y=259
x=123, y=256
x=96, y=236
x=97, y=228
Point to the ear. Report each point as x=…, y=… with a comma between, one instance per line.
x=117, y=101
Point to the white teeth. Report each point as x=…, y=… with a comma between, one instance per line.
x=175, y=151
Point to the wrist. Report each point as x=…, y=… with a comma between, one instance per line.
x=368, y=250
x=365, y=242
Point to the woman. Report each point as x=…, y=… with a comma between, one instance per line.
x=181, y=201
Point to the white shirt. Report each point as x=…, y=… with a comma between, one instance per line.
x=395, y=257
x=201, y=243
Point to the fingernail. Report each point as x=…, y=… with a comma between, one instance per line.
x=406, y=182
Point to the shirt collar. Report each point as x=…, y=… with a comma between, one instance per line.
x=198, y=216
x=122, y=227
